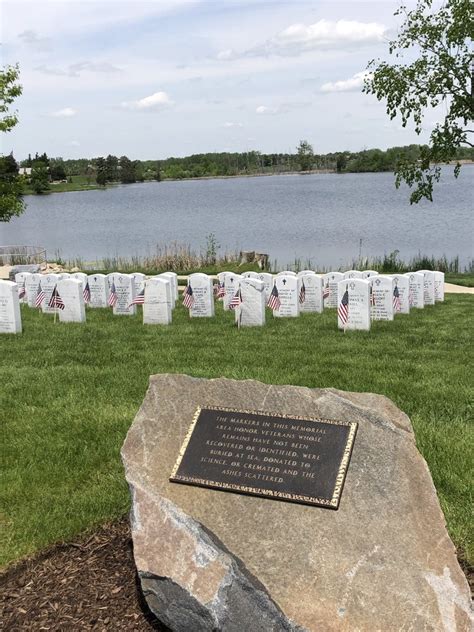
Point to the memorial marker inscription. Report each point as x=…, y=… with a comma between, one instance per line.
x=287, y=458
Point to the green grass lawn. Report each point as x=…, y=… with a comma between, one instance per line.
x=69, y=393
x=466, y=278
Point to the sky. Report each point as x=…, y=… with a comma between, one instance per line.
x=176, y=77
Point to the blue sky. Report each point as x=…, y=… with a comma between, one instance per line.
x=174, y=77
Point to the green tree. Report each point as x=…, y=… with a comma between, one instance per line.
x=11, y=183
x=101, y=172
x=305, y=155
x=57, y=169
x=437, y=73
x=39, y=177
x=127, y=170
x=112, y=163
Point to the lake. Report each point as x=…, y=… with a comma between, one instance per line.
x=318, y=218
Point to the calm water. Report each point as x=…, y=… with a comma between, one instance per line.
x=320, y=218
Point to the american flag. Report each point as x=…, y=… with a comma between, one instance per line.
x=372, y=296
x=22, y=290
x=397, y=304
x=343, y=309
x=236, y=300
x=220, y=293
x=326, y=291
x=56, y=300
x=40, y=295
x=139, y=298
x=188, y=299
x=302, y=292
x=274, y=299
x=113, y=295
x=86, y=293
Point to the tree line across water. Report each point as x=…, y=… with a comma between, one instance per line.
x=40, y=170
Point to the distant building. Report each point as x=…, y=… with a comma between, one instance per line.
x=24, y=171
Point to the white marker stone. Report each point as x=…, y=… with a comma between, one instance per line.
x=366, y=274
x=267, y=280
x=159, y=297
x=82, y=276
x=139, y=280
x=231, y=283
x=402, y=286
x=303, y=272
x=382, y=290
x=252, y=309
x=428, y=287
x=64, y=275
x=172, y=277
x=330, y=281
x=250, y=275
x=125, y=288
x=48, y=283
x=287, y=287
x=353, y=274
x=21, y=280
x=32, y=283
x=416, y=289
x=286, y=273
x=111, y=278
x=70, y=290
x=358, y=305
x=313, y=292
x=99, y=289
x=203, y=294
x=439, y=286
x=10, y=314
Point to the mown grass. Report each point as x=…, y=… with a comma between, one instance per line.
x=77, y=183
x=69, y=393
x=466, y=279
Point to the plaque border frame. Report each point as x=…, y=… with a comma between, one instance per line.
x=260, y=491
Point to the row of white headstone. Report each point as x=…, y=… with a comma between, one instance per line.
x=359, y=297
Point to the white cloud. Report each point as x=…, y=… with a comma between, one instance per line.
x=264, y=109
x=353, y=84
x=64, y=113
x=75, y=70
x=156, y=101
x=32, y=39
x=322, y=35
x=229, y=124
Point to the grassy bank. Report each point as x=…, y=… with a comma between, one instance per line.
x=77, y=183
x=70, y=392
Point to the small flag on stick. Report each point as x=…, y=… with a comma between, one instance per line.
x=139, y=298
x=188, y=299
x=220, y=290
x=302, y=292
x=56, y=301
x=86, y=293
x=343, y=309
x=397, y=304
x=326, y=291
x=40, y=296
x=274, y=299
x=22, y=290
x=236, y=300
x=113, y=295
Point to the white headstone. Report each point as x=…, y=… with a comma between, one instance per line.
x=201, y=286
x=231, y=284
x=382, y=297
x=125, y=289
x=286, y=273
x=353, y=308
x=139, y=280
x=287, y=287
x=32, y=283
x=353, y=274
x=64, y=275
x=439, y=286
x=250, y=275
x=111, y=278
x=330, y=281
x=402, y=287
x=82, y=276
x=416, y=282
x=99, y=289
x=267, y=280
x=172, y=277
x=428, y=287
x=20, y=280
x=48, y=283
x=369, y=273
x=10, y=315
x=303, y=272
x=311, y=291
x=159, y=296
x=70, y=291
x=252, y=309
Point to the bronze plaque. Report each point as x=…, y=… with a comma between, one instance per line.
x=281, y=457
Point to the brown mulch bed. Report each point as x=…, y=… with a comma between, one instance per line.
x=89, y=584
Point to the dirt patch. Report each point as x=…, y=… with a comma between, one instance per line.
x=90, y=584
